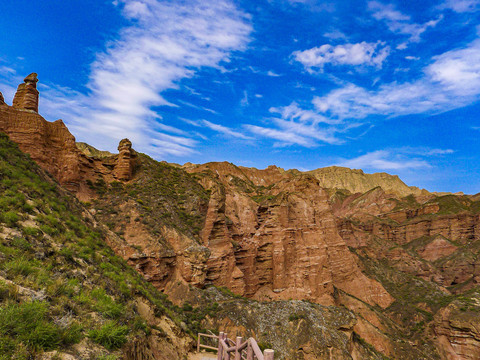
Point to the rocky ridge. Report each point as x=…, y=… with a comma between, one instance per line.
x=54, y=148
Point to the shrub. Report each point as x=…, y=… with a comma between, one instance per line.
x=31, y=231
x=111, y=335
x=28, y=322
x=10, y=218
x=106, y=305
x=21, y=266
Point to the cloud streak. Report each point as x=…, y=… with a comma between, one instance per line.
x=359, y=54
x=397, y=159
x=166, y=41
x=461, y=6
x=451, y=81
x=384, y=160
x=400, y=23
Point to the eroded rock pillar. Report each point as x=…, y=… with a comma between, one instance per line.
x=126, y=160
x=26, y=97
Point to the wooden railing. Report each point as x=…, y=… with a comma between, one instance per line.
x=228, y=349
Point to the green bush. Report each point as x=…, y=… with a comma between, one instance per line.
x=111, y=335
x=106, y=305
x=28, y=322
x=21, y=266
x=31, y=231
x=10, y=218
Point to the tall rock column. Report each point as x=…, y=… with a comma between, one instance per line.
x=126, y=160
x=26, y=97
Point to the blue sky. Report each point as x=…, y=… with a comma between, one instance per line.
x=388, y=86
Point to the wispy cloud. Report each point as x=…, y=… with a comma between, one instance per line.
x=366, y=54
x=284, y=137
x=451, y=81
x=384, y=160
x=461, y=6
x=225, y=130
x=396, y=159
x=166, y=41
x=203, y=108
x=297, y=126
x=244, y=101
x=272, y=73
x=399, y=23
x=335, y=34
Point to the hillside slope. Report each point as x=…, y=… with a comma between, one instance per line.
x=62, y=288
x=356, y=181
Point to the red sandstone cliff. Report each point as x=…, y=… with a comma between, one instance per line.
x=52, y=145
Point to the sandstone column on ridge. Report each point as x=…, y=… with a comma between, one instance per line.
x=26, y=97
x=126, y=160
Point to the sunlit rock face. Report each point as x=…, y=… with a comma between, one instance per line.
x=26, y=97
x=126, y=160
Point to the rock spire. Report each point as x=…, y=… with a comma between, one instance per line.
x=126, y=160
x=26, y=97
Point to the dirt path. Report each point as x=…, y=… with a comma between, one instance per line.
x=202, y=356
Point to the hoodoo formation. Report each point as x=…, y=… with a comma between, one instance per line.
x=26, y=97
x=332, y=263
x=126, y=160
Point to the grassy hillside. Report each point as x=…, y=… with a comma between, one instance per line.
x=61, y=287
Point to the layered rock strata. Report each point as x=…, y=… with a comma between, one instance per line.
x=26, y=97
x=126, y=161
x=53, y=147
x=286, y=246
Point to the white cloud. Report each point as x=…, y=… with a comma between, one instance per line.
x=461, y=6
x=298, y=127
x=400, y=23
x=244, y=101
x=225, y=130
x=396, y=159
x=451, y=81
x=285, y=137
x=423, y=151
x=384, y=160
x=165, y=42
x=294, y=112
x=458, y=70
x=271, y=73
x=335, y=35
x=367, y=54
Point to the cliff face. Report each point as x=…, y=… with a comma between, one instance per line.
x=53, y=147
x=284, y=245
x=434, y=244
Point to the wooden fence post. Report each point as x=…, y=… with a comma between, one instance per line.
x=220, y=347
x=198, y=343
x=225, y=353
x=268, y=354
x=238, y=354
x=249, y=351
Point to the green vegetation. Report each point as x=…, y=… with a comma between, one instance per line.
x=295, y=317
x=59, y=282
x=111, y=335
x=163, y=195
